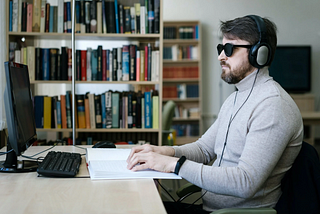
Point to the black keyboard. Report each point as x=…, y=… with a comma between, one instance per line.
x=60, y=164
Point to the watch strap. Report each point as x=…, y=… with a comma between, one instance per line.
x=179, y=164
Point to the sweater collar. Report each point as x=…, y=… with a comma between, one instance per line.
x=247, y=82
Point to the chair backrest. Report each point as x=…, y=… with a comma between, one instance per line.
x=167, y=116
x=301, y=184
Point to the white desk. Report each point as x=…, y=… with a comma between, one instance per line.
x=28, y=193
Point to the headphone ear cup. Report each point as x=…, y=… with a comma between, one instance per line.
x=259, y=55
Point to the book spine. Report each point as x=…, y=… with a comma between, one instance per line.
x=69, y=64
x=121, y=18
x=94, y=65
x=99, y=17
x=93, y=17
x=31, y=62
x=60, y=16
x=47, y=113
x=69, y=24
x=137, y=12
x=138, y=109
x=149, y=62
x=107, y=65
x=81, y=111
x=47, y=19
x=46, y=63
x=83, y=65
x=24, y=17
x=53, y=63
x=43, y=16
x=146, y=52
x=125, y=63
x=142, y=64
x=63, y=111
x=38, y=110
x=103, y=110
x=104, y=17
x=87, y=111
x=69, y=109
x=142, y=20
x=51, y=19
x=156, y=16
x=64, y=63
x=104, y=65
x=78, y=64
x=133, y=20
x=29, y=17
x=115, y=109
x=148, y=110
x=97, y=105
x=116, y=15
x=129, y=115
x=127, y=23
x=15, y=12
x=108, y=106
x=92, y=111
x=83, y=17
x=132, y=55
x=155, y=110
x=99, y=63
x=111, y=28
x=138, y=65
x=89, y=69
x=10, y=16
x=36, y=15
x=38, y=63
x=88, y=16
x=58, y=103
x=78, y=25
x=115, y=64
x=119, y=64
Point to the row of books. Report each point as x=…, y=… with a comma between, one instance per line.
x=184, y=32
x=177, y=52
x=95, y=16
x=187, y=130
x=127, y=63
x=181, y=111
x=181, y=91
x=112, y=109
x=176, y=72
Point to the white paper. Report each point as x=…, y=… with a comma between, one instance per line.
x=111, y=164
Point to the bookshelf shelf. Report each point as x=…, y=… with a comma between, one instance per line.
x=109, y=41
x=182, y=68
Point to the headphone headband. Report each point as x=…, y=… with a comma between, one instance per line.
x=259, y=55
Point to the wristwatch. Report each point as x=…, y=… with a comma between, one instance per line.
x=179, y=164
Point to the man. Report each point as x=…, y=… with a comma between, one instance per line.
x=256, y=137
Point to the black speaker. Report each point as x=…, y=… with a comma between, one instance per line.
x=260, y=53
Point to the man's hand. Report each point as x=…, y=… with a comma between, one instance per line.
x=152, y=157
x=152, y=160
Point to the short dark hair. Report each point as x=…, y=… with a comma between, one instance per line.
x=245, y=28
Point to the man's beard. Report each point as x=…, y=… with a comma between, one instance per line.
x=237, y=74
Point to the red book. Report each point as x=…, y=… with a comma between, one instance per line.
x=29, y=18
x=69, y=64
x=63, y=111
x=104, y=65
x=84, y=65
x=146, y=63
x=47, y=17
x=65, y=18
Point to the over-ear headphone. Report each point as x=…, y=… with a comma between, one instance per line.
x=260, y=53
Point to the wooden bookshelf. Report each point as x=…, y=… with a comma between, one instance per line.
x=57, y=40
x=180, y=36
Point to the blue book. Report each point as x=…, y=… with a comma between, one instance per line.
x=69, y=25
x=46, y=63
x=58, y=114
x=197, y=32
x=116, y=15
x=103, y=110
x=78, y=30
x=10, y=16
x=125, y=62
x=51, y=20
x=147, y=110
x=94, y=65
x=38, y=111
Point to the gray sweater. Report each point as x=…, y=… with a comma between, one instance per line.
x=263, y=140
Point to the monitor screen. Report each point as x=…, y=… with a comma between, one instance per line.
x=291, y=68
x=19, y=113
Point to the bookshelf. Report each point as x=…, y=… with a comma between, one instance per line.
x=108, y=40
x=182, y=72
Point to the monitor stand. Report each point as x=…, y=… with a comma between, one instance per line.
x=12, y=165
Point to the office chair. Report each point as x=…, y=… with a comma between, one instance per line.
x=300, y=188
x=167, y=116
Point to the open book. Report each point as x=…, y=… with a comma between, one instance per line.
x=111, y=164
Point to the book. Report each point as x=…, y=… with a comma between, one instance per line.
x=31, y=62
x=121, y=18
x=116, y=15
x=83, y=65
x=137, y=18
x=10, y=16
x=93, y=17
x=138, y=65
x=108, y=106
x=63, y=111
x=138, y=109
x=103, y=110
x=47, y=17
x=29, y=17
x=47, y=112
x=78, y=11
x=38, y=64
x=36, y=15
x=69, y=52
x=87, y=9
x=130, y=111
x=60, y=27
x=46, y=63
x=142, y=19
x=133, y=20
x=69, y=109
x=94, y=65
x=155, y=109
x=98, y=112
x=150, y=16
x=99, y=17
x=99, y=63
x=43, y=16
x=58, y=104
x=89, y=70
x=125, y=63
x=64, y=63
x=53, y=63
x=142, y=64
x=104, y=17
x=87, y=110
x=92, y=111
x=15, y=15
x=115, y=96
x=148, y=109
x=115, y=64
x=132, y=55
x=81, y=111
x=38, y=110
x=156, y=16
x=111, y=164
x=110, y=11
x=24, y=17
x=119, y=62
x=127, y=18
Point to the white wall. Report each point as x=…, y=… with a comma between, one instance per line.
x=298, y=22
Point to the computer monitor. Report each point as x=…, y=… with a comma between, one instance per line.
x=20, y=118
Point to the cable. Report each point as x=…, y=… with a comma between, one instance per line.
x=165, y=190
x=4, y=153
x=32, y=156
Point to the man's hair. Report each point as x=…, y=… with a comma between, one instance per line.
x=245, y=28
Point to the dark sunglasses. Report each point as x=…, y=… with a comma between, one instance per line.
x=228, y=48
